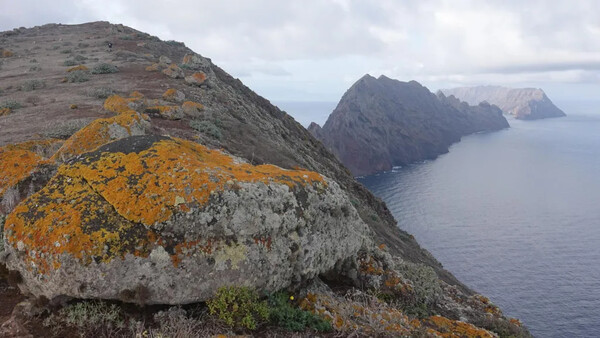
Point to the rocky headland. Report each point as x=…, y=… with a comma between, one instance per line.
x=522, y=103
x=380, y=123
x=146, y=192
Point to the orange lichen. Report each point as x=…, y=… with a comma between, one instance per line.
x=15, y=165
x=136, y=95
x=7, y=53
x=5, y=111
x=173, y=71
x=161, y=109
x=80, y=67
x=174, y=172
x=170, y=94
x=96, y=134
x=71, y=226
x=118, y=104
x=192, y=105
x=17, y=161
x=199, y=77
x=105, y=205
x=448, y=328
x=515, y=322
x=187, y=59
x=155, y=67
x=371, y=318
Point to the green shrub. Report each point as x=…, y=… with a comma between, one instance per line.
x=238, y=307
x=104, y=68
x=64, y=130
x=206, y=127
x=283, y=314
x=100, y=92
x=69, y=63
x=66, y=51
x=33, y=61
x=80, y=58
x=83, y=45
x=78, y=76
x=30, y=85
x=35, y=68
x=91, y=318
x=12, y=104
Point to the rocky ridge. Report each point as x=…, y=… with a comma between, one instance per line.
x=522, y=103
x=120, y=193
x=381, y=123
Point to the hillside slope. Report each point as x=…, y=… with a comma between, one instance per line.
x=148, y=158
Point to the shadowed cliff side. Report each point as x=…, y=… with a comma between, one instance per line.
x=381, y=123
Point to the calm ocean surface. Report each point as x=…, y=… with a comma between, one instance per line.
x=515, y=215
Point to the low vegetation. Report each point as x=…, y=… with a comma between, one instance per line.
x=90, y=318
x=286, y=314
x=239, y=307
x=104, y=68
x=35, y=84
x=69, y=63
x=100, y=92
x=207, y=127
x=11, y=104
x=78, y=76
x=64, y=130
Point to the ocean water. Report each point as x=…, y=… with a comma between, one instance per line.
x=515, y=215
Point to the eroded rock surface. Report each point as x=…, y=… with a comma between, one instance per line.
x=175, y=221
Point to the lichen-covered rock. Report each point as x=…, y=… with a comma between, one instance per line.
x=196, y=79
x=173, y=95
x=164, y=60
x=171, y=221
x=195, y=61
x=166, y=112
x=102, y=131
x=191, y=108
x=174, y=72
x=23, y=167
x=155, y=67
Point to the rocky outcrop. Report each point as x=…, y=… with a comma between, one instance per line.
x=381, y=123
x=522, y=103
x=175, y=221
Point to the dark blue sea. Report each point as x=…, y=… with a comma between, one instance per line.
x=515, y=215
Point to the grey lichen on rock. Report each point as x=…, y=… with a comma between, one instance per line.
x=268, y=230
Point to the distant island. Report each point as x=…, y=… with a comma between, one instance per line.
x=522, y=103
x=380, y=123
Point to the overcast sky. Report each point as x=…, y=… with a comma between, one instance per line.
x=313, y=50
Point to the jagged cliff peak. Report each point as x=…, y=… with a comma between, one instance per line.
x=380, y=123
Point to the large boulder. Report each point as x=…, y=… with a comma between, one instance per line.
x=152, y=219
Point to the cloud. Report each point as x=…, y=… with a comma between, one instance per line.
x=316, y=40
